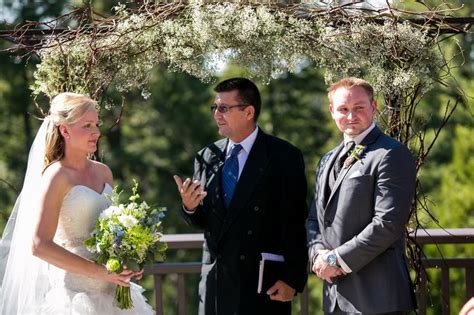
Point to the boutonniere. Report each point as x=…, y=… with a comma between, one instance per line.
x=356, y=154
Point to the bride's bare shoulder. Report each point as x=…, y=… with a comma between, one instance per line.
x=57, y=175
x=104, y=171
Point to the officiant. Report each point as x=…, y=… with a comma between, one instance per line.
x=248, y=194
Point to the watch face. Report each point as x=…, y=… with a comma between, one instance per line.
x=331, y=260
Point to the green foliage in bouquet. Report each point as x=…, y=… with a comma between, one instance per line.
x=127, y=235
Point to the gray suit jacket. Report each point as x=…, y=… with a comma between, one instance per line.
x=363, y=217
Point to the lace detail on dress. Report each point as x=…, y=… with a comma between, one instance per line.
x=77, y=294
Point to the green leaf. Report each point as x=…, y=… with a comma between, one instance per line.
x=133, y=265
x=159, y=256
x=90, y=242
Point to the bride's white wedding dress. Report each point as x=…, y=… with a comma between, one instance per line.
x=71, y=293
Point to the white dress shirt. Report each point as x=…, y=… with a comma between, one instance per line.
x=247, y=145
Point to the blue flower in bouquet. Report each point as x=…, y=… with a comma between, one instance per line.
x=118, y=235
x=127, y=235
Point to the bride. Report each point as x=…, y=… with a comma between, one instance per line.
x=44, y=266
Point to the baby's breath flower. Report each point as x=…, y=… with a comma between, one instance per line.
x=265, y=41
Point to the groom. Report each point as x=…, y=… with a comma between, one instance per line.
x=364, y=190
x=248, y=195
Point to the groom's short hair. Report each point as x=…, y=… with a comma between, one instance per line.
x=348, y=83
x=247, y=91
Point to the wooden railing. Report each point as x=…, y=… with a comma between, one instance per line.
x=423, y=237
x=159, y=271
x=439, y=237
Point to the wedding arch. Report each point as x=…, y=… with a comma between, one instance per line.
x=397, y=50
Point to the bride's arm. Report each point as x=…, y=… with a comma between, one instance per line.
x=54, y=188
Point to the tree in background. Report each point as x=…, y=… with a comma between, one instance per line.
x=16, y=105
x=453, y=205
x=158, y=136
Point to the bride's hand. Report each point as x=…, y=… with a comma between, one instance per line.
x=122, y=278
x=138, y=275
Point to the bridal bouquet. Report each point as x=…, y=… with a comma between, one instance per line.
x=127, y=235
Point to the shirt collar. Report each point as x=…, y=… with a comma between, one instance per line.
x=358, y=139
x=246, y=144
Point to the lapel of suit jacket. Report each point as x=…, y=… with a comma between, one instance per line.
x=251, y=175
x=326, y=173
x=367, y=141
x=215, y=163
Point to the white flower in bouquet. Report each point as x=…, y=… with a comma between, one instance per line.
x=127, y=220
x=107, y=213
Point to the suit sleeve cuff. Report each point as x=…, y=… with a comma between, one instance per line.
x=342, y=263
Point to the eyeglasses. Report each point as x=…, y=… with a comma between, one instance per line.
x=225, y=108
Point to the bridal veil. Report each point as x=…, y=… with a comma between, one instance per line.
x=23, y=277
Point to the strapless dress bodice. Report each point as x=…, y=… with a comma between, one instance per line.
x=81, y=207
x=73, y=293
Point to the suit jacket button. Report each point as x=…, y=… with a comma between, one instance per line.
x=327, y=223
x=256, y=208
x=242, y=257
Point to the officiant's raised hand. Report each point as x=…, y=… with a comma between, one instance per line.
x=192, y=192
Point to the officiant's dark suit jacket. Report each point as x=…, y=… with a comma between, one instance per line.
x=267, y=214
x=363, y=217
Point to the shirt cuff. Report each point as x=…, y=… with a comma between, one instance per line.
x=188, y=211
x=342, y=263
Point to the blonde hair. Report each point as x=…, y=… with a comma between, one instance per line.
x=348, y=83
x=66, y=108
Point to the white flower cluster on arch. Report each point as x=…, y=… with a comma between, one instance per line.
x=267, y=40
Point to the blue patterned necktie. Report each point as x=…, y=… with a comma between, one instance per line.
x=230, y=174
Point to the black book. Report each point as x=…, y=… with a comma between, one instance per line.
x=271, y=266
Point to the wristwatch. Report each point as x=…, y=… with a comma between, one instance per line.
x=331, y=259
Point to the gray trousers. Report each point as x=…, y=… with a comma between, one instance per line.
x=337, y=311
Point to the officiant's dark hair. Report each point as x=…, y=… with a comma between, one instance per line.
x=246, y=89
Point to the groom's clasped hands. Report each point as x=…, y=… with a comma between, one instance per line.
x=192, y=192
x=323, y=270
